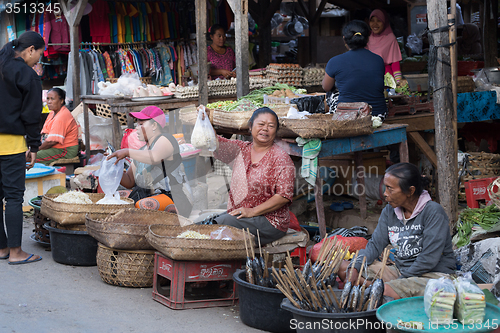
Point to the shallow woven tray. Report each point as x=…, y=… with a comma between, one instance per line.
x=164, y=239
x=125, y=268
x=322, y=126
x=65, y=213
x=239, y=119
x=126, y=229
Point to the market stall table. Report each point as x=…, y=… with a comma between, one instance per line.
x=124, y=105
x=385, y=135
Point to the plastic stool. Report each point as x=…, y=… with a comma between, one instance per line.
x=477, y=190
x=178, y=273
x=302, y=254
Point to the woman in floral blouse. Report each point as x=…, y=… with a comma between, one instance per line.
x=221, y=57
x=263, y=179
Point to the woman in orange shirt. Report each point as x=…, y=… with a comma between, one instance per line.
x=60, y=132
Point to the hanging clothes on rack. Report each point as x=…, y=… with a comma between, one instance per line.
x=99, y=22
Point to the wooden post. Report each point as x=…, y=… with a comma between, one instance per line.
x=490, y=19
x=240, y=9
x=444, y=117
x=74, y=16
x=201, y=40
x=313, y=33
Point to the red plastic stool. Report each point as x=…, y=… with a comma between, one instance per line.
x=176, y=274
x=477, y=190
x=300, y=252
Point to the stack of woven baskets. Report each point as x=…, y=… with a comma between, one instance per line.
x=124, y=256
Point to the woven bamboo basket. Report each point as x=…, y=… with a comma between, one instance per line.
x=65, y=213
x=239, y=119
x=494, y=192
x=189, y=114
x=104, y=110
x=125, y=268
x=145, y=79
x=322, y=126
x=126, y=229
x=164, y=239
x=74, y=227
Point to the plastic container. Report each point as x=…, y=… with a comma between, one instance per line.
x=355, y=322
x=477, y=190
x=72, y=247
x=190, y=166
x=260, y=306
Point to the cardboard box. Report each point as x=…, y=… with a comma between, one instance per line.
x=39, y=186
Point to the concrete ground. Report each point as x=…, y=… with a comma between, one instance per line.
x=46, y=296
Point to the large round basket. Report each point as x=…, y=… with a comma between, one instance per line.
x=164, y=239
x=494, y=191
x=125, y=268
x=126, y=229
x=66, y=213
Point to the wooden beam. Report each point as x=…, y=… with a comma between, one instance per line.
x=424, y=147
x=317, y=15
x=201, y=41
x=74, y=62
x=490, y=19
x=241, y=40
x=78, y=12
x=305, y=10
x=64, y=9
x=447, y=164
x=273, y=7
x=254, y=10
x=313, y=34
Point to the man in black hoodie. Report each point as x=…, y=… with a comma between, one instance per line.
x=21, y=108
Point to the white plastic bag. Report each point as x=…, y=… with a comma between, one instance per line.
x=203, y=136
x=414, y=43
x=110, y=176
x=223, y=233
x=439, y=299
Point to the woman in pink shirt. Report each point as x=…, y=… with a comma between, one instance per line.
x=221, y=57
x=60, y=132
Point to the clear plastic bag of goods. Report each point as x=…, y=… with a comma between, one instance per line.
x=203, y=136
x=223, y=233
x=439, y=299
x=470, y=303
x=110, y=175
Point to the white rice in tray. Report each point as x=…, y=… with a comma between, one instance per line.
x=74, y=197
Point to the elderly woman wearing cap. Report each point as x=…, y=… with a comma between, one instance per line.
x=155, y=172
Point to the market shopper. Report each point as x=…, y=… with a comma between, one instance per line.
x=60, y=131
x=383, y=42
x=470, y=41
x=358, y=74
x=221, y=57
x=21, y=97
x=155, y=174
x=416, y=227
x=263, y=179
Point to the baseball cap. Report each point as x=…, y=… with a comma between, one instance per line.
x=151, y=112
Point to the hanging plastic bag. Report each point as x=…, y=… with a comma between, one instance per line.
x=203, y=136
x=110, y=176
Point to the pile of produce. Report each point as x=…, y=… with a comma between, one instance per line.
x=74, y=197
x=254, y=99
x=439, y=298
x=470, y=304
x=285, y=73
x=475, y=219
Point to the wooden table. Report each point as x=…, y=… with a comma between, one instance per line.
x=124, y=105
x=417, y=123
x=385, y=135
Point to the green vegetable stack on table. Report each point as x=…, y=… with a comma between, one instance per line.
x=475, y=219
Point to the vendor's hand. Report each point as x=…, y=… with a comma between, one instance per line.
x=32, y=159
x=354, y=276
x=207, y=111
x=243, y=212
x=228, y=74
x=119, y=154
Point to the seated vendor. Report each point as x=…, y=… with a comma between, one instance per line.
x=416, y=227
x=155, y=174
x=60, y=131
x=221, y=57
x=263, y=179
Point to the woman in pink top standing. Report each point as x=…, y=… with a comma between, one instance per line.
x=383, y=42
x=221, y=56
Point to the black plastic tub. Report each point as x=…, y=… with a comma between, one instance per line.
x=260, y=306
x=355, y=322
x=72, y=247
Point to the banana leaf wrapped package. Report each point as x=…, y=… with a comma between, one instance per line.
x=439, y=298
x=470, y=303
